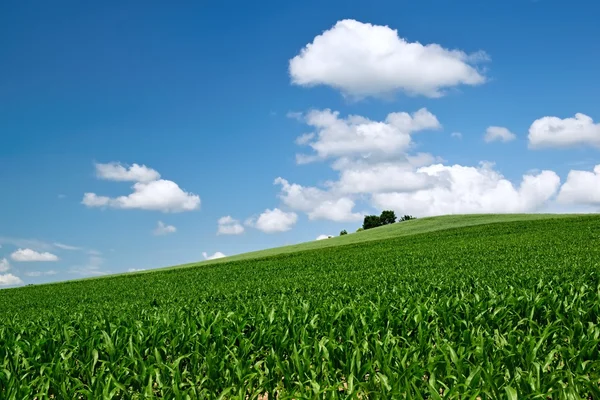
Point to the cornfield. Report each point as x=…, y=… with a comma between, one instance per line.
x=509, y=310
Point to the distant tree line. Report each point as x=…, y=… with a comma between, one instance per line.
x=387, y=217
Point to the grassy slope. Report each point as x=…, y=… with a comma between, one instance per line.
x=482, y=308
x=407, y=228
x=413, y=227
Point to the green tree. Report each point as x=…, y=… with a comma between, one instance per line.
x=387, y=217
x=371, y=221
x=407, y=217
x=342, y=233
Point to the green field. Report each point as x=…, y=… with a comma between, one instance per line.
x=453, y=307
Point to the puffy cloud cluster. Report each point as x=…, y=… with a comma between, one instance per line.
x=362, y=59
x=273, y=221
x=465, y=190
x=28, y=255
x=114, y=171
x=389, y=177
x=581, y=187
x=8, y=279
x=149, y=192
x=359, y=136
x=317, y=203
x=555, y=132
x=229, y=226
x=498, y=134
x=4, y=265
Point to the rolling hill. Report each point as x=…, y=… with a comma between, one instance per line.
x=449, y=307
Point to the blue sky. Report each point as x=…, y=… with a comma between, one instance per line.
x=212, y=97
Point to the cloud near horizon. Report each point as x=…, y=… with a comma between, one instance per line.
x=216, y=255
x=419, y=184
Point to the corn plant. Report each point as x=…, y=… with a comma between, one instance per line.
x=502, y=311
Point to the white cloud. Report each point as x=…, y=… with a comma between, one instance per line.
x=218, y=254
x=339, y=210
x=136, y=269
x=272, y=221
x=161, y=195
x=149, y=192
x=456, y=135
x=317, y=203
x=321, y=237
x=498, y=134
x=356, y=135
x=10, y=280
x=4, y=265
x=93, y=200
x=418, y=184
x=569, y=132
x=66, y=246
x=581, y=187
x=40, y=273
x=229, y=226
x=162, y=229
x=367, y=178
x=24, y=255
x=466, y=190
x=94, y=253
x=362, y=59
x=115, y=171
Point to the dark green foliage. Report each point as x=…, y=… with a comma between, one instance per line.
x=371, y=221
x=344, y=232
x=508, y=310
x=406, y=218
x=387, y=217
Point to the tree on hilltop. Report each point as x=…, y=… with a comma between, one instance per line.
x=371, y=221
x=387, y=217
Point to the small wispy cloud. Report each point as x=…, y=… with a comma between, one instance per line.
x=163, y=229
x=28, y=243
x=66, y=246
x=92, y=267
x=40, y=273
x=29, y=255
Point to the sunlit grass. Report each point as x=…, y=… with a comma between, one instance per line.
x=503, y=310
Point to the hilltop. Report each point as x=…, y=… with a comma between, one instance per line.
x=399, y=229
x=461, y=306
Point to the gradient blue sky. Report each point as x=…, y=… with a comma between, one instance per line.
x=202, y=93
